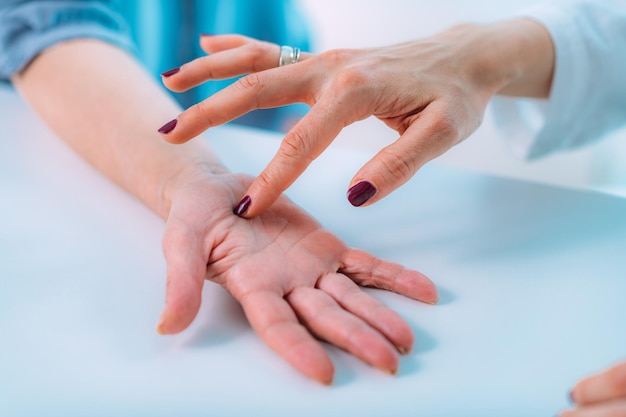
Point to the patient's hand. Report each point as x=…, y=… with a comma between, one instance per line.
x=295, y=280
x=603, y=394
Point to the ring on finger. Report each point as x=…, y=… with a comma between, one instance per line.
x=288, y=55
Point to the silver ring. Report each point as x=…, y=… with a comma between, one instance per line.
x=288, y=55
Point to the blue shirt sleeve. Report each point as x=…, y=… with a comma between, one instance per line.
x=29, y=27
x=588, y=96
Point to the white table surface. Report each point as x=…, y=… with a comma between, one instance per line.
x=532, y=279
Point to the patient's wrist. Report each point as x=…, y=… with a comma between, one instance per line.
x=193, y=171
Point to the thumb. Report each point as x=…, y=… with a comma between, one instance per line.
x=186, y=270
x=432, y=133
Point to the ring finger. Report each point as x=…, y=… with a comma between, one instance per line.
x=326, y=319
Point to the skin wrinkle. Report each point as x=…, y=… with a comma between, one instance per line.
x=401, y=169
x=199, y=206
x=251, y=82
x=203, y=109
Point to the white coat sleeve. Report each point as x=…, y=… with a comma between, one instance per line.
x=588, y=95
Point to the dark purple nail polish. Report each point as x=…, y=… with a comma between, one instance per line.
x=168, y=127
x=359, y=193
x=171, y=72
x=571, y=397
x=243, y=206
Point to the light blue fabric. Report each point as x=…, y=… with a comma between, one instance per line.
x=162, y=33
x=588, y=96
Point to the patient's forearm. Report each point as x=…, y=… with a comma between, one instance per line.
x=100, y=101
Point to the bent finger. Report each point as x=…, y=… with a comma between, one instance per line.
x=300, y=146
x=277, y=325
x=352, y=298
x=604, y=386
x=326, y=319
x=267, y=89
x=186, y=268
x=433, y=132
x=370, y=271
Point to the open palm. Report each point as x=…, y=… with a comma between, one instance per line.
x=295, y=280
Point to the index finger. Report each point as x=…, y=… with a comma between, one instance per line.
x=302, y=144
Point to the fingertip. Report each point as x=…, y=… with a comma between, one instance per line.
x=255, y=201
x=361, y=192
x=405, y=347
x=392, y=366
x=572, y=396
x=315, y=364
x=168, y=127
x=172, y=325
x=242, y=207
x=326, y=376
x=431, y=295
x=403, y=350
x=171, y=80
x=170, y=72
x=172, y=132
x=177, y=315
x=381, y=355
x=418, y=286
x=162, y=325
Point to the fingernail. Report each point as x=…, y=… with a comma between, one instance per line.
x=403, y=350
x=171, y=72
x=359, y=193
x=435, y=301
x=205, y=35
x=159, y=328
x=243, y=206
x=168, y=127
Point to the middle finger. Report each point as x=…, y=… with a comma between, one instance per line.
x=325, y=318
x=266, y=89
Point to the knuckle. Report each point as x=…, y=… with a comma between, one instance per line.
x=269, y=179
x=202, y=111
x=445, y=124
x=398, y=168
x=295, y=146
x=337, y=56
x=252, y=82
x=258, y=52
x=352, y=78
